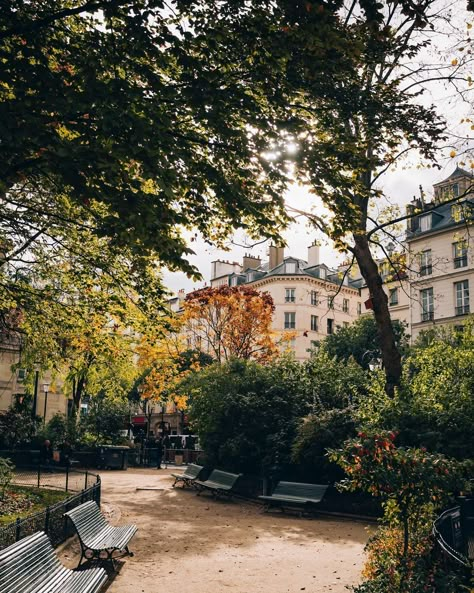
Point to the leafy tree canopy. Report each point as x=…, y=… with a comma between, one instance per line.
x=361, y=341
x=112, y=124
x=231, y=322
x=434, y=406
x=245, y=413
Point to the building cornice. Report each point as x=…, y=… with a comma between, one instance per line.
x=304, y=277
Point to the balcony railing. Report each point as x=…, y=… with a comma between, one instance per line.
x=464, y=310
x=427, y=316
x=460, y=262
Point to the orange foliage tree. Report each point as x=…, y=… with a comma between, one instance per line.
x=231, y=322
x=161, y=366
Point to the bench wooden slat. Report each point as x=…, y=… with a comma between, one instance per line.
x=219, y=482
x=191, y=473
x=96, y=535
x=295, y=493
x=31, y=566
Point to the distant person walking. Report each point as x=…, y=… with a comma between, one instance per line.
x=46, y=453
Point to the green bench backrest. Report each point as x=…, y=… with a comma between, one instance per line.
x=224, y=478
x=192, y=471
x=88, y=520
x=299, y=489
x=28, y=564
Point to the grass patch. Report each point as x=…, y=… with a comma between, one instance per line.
x=21, y=501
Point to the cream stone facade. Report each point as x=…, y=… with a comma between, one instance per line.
x=12, y=382
x=311, y=300
x=441, y=255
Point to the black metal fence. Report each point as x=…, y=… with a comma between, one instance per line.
x=454, y=533
x=51, y=520
x=54, y=477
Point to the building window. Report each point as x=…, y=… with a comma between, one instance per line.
x=233, y=281
x=290, y=295
x=250, y=276
x=450, y=191
x=384, y=269
x=314, y=297
x=393, y=297
x=425, y=223
x=290, y=268
x=457, y=212
x=460, y=254
x=345, y=305
x=314, y=323
x=331, y=302
x=425, y=263
x=359, y=308
x=345, y=324
x=290, y=320
x=461, y=290
x=427, y=304
x=330, y=326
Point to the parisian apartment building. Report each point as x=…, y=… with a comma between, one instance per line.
x=427, y=279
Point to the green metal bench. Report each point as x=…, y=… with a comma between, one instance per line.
x=191, y=473
x=31, y=566
x=219, y=482
x=287, y=494
x=99, y=540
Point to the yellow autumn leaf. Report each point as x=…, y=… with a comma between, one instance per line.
x=452, y=154
x=469, y=26
x=454, y=62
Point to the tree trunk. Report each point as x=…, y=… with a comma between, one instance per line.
x=390, y=354
x=77, y=394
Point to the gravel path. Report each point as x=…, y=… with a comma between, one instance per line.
x=191, y=544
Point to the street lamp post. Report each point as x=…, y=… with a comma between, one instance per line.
x=35, y=393
x=46, y=391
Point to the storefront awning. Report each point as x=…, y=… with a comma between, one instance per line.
x=136, y=420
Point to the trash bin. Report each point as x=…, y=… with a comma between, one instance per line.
x=112, y=457
x=178, y=457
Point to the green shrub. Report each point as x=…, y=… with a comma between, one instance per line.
x=246, y=414
x=315, y=435
x=6, y=475
x=434, y=408
x=413, y=486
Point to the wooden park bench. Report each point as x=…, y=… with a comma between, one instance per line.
x=99, y=540
x=31, y=565
x=219, y=482
x=191, y=473
x=294, y=494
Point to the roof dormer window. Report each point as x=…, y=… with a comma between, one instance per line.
x=425, y=223
x=457, y=212
x=290, y=267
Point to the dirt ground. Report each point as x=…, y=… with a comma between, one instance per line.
x=194, y=544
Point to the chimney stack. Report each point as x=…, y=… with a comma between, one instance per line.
x=276, y=256
x=251, y=262
x=313, y=254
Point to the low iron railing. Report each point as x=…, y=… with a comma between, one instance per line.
x=51, y=520
x=454, y=533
